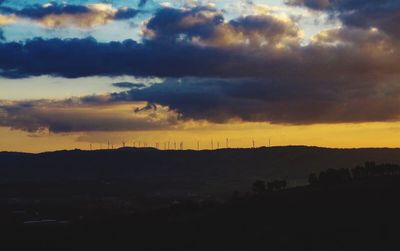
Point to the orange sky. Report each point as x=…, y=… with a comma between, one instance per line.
x=239, y=134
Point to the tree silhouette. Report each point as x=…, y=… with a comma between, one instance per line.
x=344, y=175
x=334, y=176
x=276, y=185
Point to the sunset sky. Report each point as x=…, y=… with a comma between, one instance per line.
x=291, y=72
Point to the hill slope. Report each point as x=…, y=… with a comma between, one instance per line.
x=169, y=173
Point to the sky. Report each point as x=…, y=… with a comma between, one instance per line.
x=207, y=74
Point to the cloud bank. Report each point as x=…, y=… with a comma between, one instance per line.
x=382, y=14
x=251, y=68
x=79, y=116
x=55, y=15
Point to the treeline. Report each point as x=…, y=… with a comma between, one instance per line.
x=260, y=186
x=344, y=175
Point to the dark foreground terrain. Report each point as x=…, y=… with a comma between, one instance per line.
x=144, y=199
x=360, y=215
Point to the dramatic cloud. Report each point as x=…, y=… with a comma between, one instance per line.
x=55, y=15
x=382, y=14
x=206, y=26
x=252, y=68
x=87, y=57
x=274, y=100
x=363, y=53
x=344, y=5
x=178, y=37
x=69, y=116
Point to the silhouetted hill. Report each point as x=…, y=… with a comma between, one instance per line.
x=180, y=173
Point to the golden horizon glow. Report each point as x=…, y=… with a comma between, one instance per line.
x=240, y=135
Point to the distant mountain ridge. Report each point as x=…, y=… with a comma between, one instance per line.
x=181, y=172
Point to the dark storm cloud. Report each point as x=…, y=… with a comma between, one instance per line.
x=59, y=15
x=158, y=56
x=169, y=23
x=207, y=26
x=274, y=100
x=252, y=68
x=128, y=85
x=126, y=13
x=40, y=11
x=87, y=57
x=313, y=4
